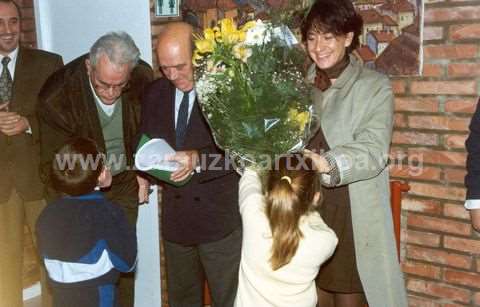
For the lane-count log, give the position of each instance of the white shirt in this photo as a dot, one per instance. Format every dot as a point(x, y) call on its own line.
point(107, 108)
point(294, 283)
point(178, 101)
point(13, 61)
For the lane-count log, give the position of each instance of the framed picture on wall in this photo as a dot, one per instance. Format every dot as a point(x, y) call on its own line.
point(167, 8)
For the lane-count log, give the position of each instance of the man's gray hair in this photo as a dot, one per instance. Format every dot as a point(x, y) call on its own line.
point(119, 47)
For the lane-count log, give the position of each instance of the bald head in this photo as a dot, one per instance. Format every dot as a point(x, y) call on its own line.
point(174, 54)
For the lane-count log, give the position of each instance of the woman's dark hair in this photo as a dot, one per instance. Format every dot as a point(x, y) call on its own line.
point(333, 16)
point(76, 167)
point(290, 194)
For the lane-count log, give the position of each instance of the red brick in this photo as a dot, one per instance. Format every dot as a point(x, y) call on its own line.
point(468, 31)
point(421, 238)
point(421, 269)
point(455, 140)
point(398, 86)
point(476, 298)
point(464, 105)
point(414, 138)
point(432, 33)
point(416, 104)
point(412, 172)
point(28, 37)
point(438, 122)
point(457, 51)
point(439, 224)
point(28, 25)
point(27, 12)
point(461, 244)
point(414, 301)
point(429, 206)
point(439, 290)
point(462, 278)
point(27, 3)
point(454, 175)
point(463, 69)
point(444, 87)
point(439, 256)
point(432, 70)
point(399, 121)
point(449, 14)
point(423, 155)
point(456, 211)
point(452, 304)
point(436, 191)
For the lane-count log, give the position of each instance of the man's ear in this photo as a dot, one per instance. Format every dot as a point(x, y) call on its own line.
point(88, 66)
point(349, 39)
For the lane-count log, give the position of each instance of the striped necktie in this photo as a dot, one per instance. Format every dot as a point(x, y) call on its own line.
point(5, 82)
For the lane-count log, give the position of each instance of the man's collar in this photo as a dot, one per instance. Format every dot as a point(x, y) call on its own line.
point(12, 55)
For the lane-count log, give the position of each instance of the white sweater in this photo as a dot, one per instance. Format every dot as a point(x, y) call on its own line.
point(292, 284)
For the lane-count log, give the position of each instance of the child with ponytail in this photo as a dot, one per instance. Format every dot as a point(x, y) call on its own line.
point(285, 240)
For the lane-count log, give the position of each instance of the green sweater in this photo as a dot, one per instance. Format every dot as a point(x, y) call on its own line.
point(112, 128)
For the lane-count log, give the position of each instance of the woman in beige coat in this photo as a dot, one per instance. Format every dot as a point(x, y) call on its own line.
point(355, 109)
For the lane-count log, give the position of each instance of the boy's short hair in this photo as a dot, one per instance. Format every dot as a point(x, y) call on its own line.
point(76, 167)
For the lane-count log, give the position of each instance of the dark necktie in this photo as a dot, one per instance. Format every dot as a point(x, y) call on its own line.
point(182, 120)
point(5, 82)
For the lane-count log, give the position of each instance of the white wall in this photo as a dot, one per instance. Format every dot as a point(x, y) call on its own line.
point(69, 28)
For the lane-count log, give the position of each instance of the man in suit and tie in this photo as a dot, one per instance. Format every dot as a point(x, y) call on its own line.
point(98, 96)
point(201, 225)
point(23, 73)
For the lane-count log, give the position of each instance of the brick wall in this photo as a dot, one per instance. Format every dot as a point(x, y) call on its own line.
point(28, 36)
point(439, 247)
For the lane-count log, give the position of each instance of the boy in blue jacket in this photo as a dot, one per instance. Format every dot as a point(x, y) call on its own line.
point(84, 239)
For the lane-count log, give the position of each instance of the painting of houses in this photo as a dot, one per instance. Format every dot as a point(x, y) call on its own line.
point(390, 39)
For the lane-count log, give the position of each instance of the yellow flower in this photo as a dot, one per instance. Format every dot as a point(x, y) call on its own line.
point(205, 45)
point(209, 34)
point(300, 118)
point(227, 26)
point(241, 52)
point(228, 32)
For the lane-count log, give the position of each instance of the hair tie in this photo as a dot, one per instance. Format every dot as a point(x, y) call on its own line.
point(287, 179)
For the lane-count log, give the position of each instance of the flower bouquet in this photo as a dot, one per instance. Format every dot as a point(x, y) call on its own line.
point(252, 91)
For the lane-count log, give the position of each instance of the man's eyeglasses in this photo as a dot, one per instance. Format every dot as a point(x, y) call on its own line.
point(102, 86)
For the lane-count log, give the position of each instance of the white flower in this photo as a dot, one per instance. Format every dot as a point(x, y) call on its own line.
point(259, 34)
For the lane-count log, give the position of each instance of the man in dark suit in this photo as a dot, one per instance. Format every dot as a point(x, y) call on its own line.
point(201, 225)
point(98, 96)
point(23, 73)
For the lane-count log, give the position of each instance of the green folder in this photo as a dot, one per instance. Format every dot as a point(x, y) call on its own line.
point(163, 175)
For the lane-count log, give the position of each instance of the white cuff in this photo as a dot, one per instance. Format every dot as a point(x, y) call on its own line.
point(472, 204)
point(29, 130)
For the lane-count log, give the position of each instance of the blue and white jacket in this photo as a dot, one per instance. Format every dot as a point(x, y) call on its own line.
point(85, 242)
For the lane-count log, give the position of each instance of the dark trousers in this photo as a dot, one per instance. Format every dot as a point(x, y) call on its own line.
point(188, 266)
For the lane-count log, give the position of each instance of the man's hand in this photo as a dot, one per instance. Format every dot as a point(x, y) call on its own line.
point(143, 190)
point(11, 123)
point(105, 178)
point(188, 160)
